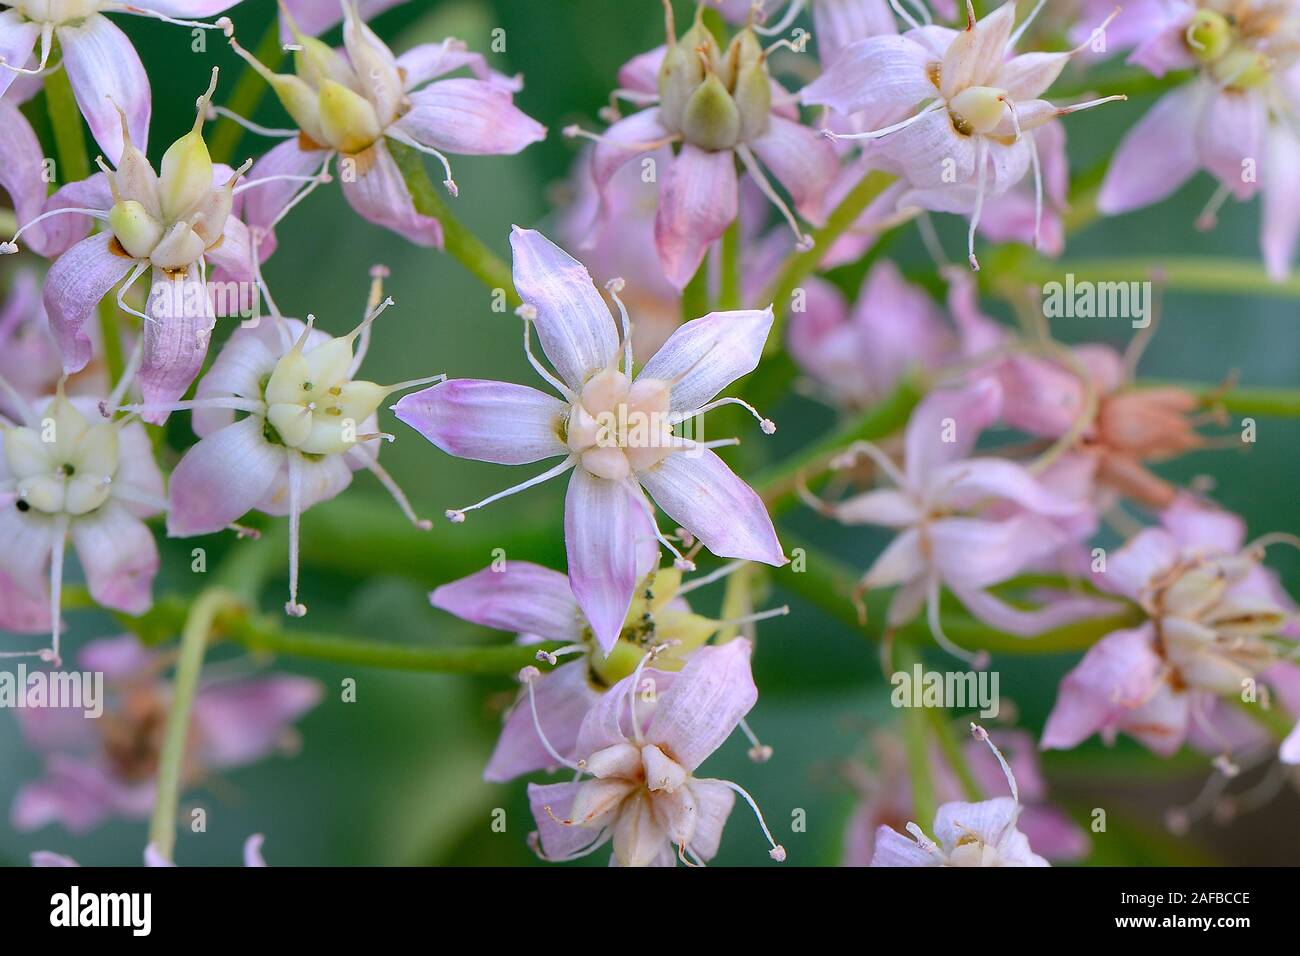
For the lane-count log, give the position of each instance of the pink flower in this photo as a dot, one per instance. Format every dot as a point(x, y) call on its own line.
point(102, 768)
point(888, 795)
point(963, 523)
point(974, 137)
point(720, 106)
point(175, 226)
point(350, 104)
point(836, 23)
point(65, 472)
point(103, 67)
point(308, 423)
point(252, 855)
point(968, 834)
point(541, 731)
point(641, 745)
point(314, 17)
point(1211, 608)
point(617, 434)
point(1231, 119)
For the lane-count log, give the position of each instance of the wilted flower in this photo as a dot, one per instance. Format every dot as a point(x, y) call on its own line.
point(536, 602)
point(719, 105)
point(350, 104)
point(66, 471)
point(174, 225)
point(969, 834)
point(617, 433)
point(105, 72)
point(307, 424)
point(641, 745)
point(106, 767)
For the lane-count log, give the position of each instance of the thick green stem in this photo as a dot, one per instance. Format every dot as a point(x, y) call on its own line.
point(246, 96)
point(918, 753)
point(65, 121)
point(1175, 273)
point(458, 241)
point(194, 641)
point(108, 317)
point(729, 290)
point(802, 265)
point(1275, 402)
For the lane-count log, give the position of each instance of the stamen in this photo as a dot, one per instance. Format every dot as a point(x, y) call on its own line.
point(791, 13)
point(759, 752)
point(903, 15)
point(528, 675)
point(614, 287)
point(553, 657)
point(401, 137)
point(1080, 107)
point(885, 131)
point(876, 454)
point(766, 424)
point(1024, 25)
point(391, 486)
point(803, 241)
point(528, 314)
point(930, 238)
point(1038, 186)
point(680, 561)
point(216, 111)
point(979, 733)
point(574, 131)
point(777, 852)
point(56, 586)
point(285, 177)
point(11, 247)
point(1209, 217)
point(976, 660)
point(293, 608)
point(781, 611)
point(1266, 541)
point(136, 272)
point(221, 23)
point(670, 27)
point(982, 160)
point(378, 273)
point(717, 575)
point(457, 515)
point(786, 44)
point(323, 176)
point(114, 401)
point(47, 38)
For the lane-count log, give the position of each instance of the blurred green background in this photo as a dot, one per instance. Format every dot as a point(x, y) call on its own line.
point(395, 778)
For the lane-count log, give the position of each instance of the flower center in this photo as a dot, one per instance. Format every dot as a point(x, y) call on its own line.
point(56, 11)
point(64, 466)
point(977, 110)
point(618, 428)
point(715, 101)
point(313, 403)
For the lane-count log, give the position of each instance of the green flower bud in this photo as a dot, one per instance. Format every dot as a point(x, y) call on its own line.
point(347, 119)
point(752, 89)
point(133, 227)
point(711, 119)
point(1208, 36)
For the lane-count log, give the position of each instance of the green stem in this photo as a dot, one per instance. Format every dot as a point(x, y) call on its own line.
point(246, 95)
point(194, 641)
point(1176, 273)
point(114, 363)
point(729, 292)
point(65, 121)
point(695, 297)
point(463, 245)
point(1277, 402)
point(918, 753)
point(799, 267)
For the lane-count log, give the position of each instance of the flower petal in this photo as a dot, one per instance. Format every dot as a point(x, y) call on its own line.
point(697, 203)
point(106, 75)
point(1281, 201)
point(698, 491)
point(883, 75)
point(73, 287)
point(837, 23)
point(467, 116)
point(627, 138)
point(18, 37)
point(978, 52)
point(428, 61)
point(573, 323)
point(803, 162)
point(522, 597)
point(221, 478)
point(564, 697)
point(238, 722)
point(707, 354)
point(705, 704)
point(945, 426)
point(379, 195)
point(713, 803)
point(176, 341)
point(118, 556)
point(600, 534)
point(894, 849)
point(1116, 675)
point(1157, 155)
point(22, 164)
point(1230, 138)
point(975, 553)
point(487, 421)
point(965, 484)
point(551, 803)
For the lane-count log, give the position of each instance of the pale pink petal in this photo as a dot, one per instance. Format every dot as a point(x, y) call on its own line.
point(641, 73)
point(963, 485)
point(18, 37)
point(837, 23)
point(1117, 675)
point(1230, 138)
point(186, 9)
point(713, 803)
point(600, 531)
point(1023, 622)
point(1146, 555)
point(932, 155)
point(945, 426)
point(894, 849)
point(705, 355)
point(105, 70)
point(60, 233)
point(551, 803)
point(428, 61)
point(253, 851)
point(314, 17)
point(379, 195)
point(45, 858)
point(697, 203)
point(121, 658)
point(698, 491)
point(573, 323)
point(1039, 397)
point(318, 480)
point(21, 612)
point(469, 116)
point(1289, 752)
point(1053, 834)
point(885, 507)
point(989, 820)
point(260, 205)
point(231, 260)
point(976, 53)
point(564, 697)
point(73, 287)
point(1195, 525)
point(246, 360)
point(802, 160)
point(705, 704)
point(22, 164)
point(487, 421)
point(119, 557)
point(902, 561)
point(880, 75)
point(1157, 155)
point(522, 597)
point(237, 722)
point(975, 553)
point(221, 478)
point(639, 133)
point(176, 341)
point(1281, 200)
point(1161, 46)
point(898, 328)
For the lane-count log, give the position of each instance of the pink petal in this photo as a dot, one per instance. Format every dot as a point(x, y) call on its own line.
point(231, 260)
point(803, 161)
point(73, 287)
point(221, 478)
point(471, 117)
point(121, 658)
point(698, 491)
point(186, 9)
point(600, 535)
point(713, 803)
point(260, 205)
point(564, 697)
point(1117, 674)
point(119, 557)
point(894, 849)
point(239, 722)
point(1230, 138)
point(487, 421)
point(882, 75)
point(428, 61)
point(1157, 155)
point(244, 362)
point(641, 73)
point(901, 562)
point(18, 37)
point(1161, 44)
point(975, 553)
point(931, 154)
point(176, 342)
point(1281, 201)
point(314, 17)
point(61, 232)
point(253, 851)
point(705, 704)
point(837, 23)
point(627, 138)
point(956, 414)
point(26, 554)
point(966, 484)
point(885, 507)
point(573, 323)
point(21, 612)
point(977, 53)
point(45, 858)
point(996, 613)
point(697, 203)
point(104, 70)
point(1206, 528)
point(379, 195)
point(22, 162)
point(898, 328)
point(318, 480)
point(987, 819)
point(551, 803)
point(705, 355)
point(522, 597)
point(1145, 556)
